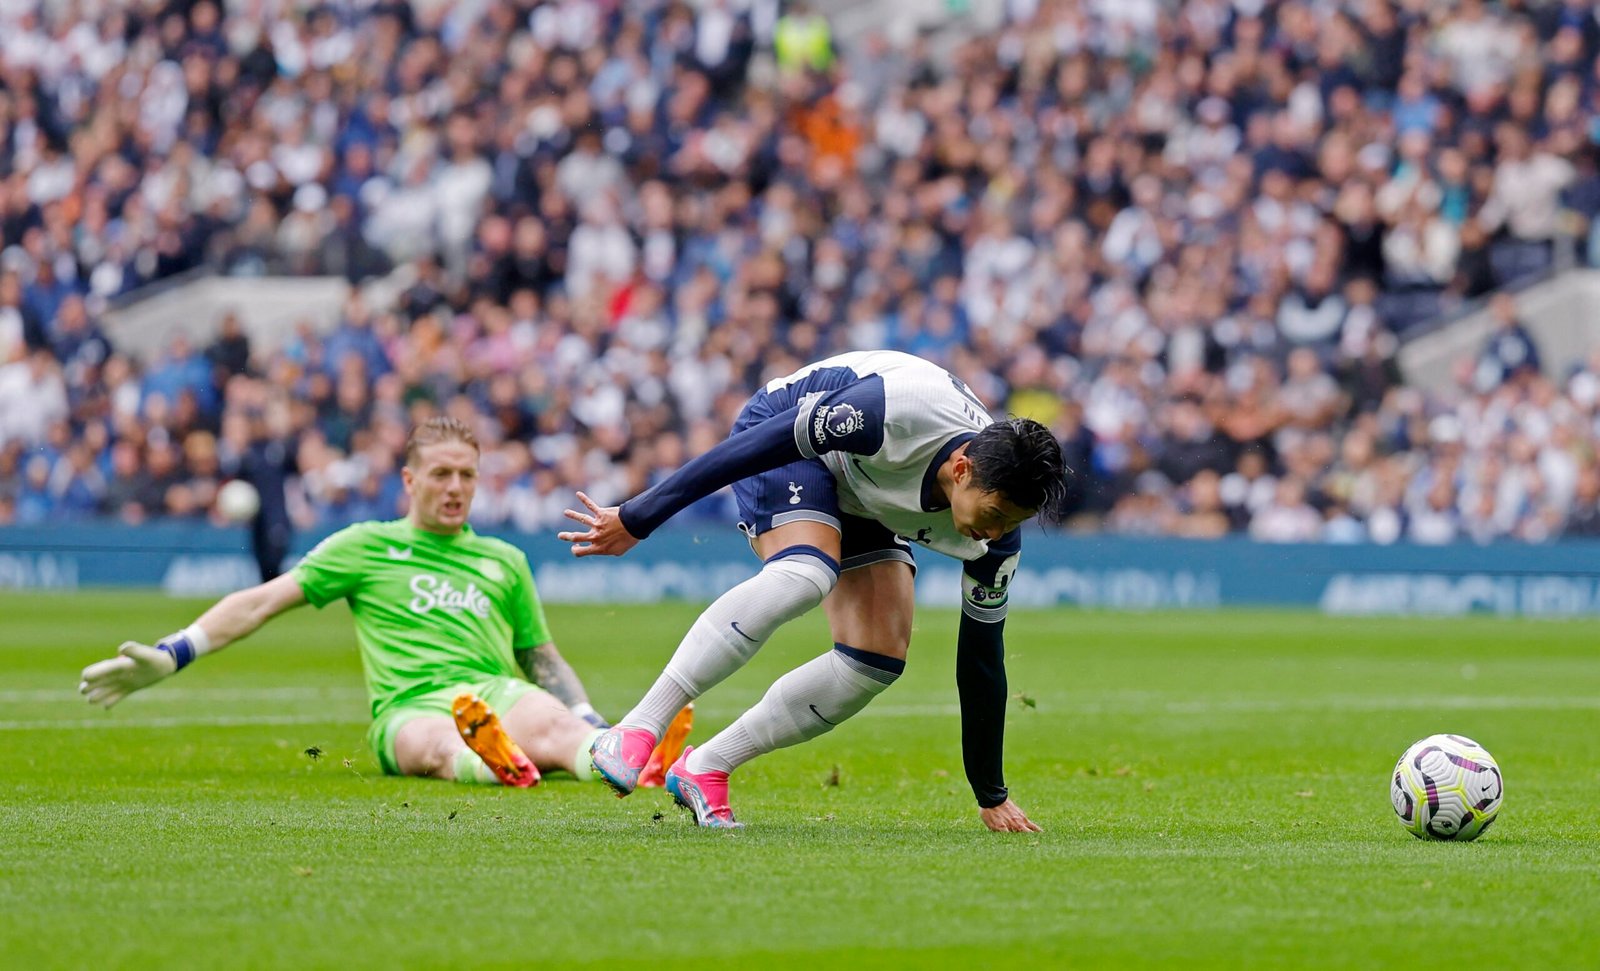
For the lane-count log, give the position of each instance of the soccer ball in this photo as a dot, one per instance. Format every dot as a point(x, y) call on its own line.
point(1446, 787)
point(238, 501)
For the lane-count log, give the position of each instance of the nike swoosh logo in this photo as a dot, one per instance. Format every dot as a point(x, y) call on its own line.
point(396, 553)
point(741, 633)
point(814, 711)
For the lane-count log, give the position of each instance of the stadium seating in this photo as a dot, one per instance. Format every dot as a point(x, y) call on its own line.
point(1192, 240)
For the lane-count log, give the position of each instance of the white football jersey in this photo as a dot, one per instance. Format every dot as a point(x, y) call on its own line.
point(914, 412)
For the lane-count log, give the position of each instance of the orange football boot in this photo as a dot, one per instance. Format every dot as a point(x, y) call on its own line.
point(480, 728)
point(654, 774)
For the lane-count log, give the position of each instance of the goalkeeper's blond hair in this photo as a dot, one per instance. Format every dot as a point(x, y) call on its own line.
point(434, 431)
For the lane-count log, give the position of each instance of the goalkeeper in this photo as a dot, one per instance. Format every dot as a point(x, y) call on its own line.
point(450, 630)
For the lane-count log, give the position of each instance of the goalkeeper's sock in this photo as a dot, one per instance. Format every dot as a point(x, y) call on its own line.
point(805, 703)
point(471, 770)
point(583, 762)
point(732, 629)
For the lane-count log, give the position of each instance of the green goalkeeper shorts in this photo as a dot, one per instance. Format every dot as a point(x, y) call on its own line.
point(500, 694)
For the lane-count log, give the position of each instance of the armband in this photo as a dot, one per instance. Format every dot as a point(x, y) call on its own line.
point(185, 645)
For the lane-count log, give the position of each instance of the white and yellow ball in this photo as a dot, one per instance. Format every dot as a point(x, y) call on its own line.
point(1446, 787)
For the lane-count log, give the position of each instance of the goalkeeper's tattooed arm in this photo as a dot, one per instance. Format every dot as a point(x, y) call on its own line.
point(546, 668)
point(233, 617)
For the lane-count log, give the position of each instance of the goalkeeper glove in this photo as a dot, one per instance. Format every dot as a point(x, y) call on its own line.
point(139, 665)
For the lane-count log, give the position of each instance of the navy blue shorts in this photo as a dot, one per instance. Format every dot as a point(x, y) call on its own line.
point(805, 491)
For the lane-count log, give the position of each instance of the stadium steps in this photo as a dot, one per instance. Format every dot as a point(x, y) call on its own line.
point(1558, 312)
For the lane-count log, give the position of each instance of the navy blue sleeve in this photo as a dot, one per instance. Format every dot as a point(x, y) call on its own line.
point(749, 452)
point(848, 419)
point(981, 684)
point(981, 667)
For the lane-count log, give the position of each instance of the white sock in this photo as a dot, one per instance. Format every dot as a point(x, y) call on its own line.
point(807, 702)
point(583, 769)
point(730, 631)
point(472, 770)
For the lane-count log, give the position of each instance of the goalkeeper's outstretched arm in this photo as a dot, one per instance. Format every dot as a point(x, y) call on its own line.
point(235, 616)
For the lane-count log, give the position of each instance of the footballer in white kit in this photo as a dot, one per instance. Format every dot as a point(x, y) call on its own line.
point(840, 470)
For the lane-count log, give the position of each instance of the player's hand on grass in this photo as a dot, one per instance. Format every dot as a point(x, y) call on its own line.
point(1008, 817)
point(606, 536)
point(136, 666)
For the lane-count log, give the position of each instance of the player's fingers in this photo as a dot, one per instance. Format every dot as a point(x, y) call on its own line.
point(1033, 827)
point(103, 669)
point(90, 686)
point(146, 656)
point(588, 537)
point(594, 507)
point(578, 517)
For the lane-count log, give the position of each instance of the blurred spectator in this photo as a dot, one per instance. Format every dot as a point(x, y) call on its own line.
point(1201, 512)
point(128, 486)
point(33, 395)
point(1584, 519)
point(77, 486)
point(1190, 445)
point(252, 450)
point(1435, 521)
point(1287, 518)
point(1510, 351)
point(229, 353)
point(803, 39)
point(1310, 398)
point(180, 369)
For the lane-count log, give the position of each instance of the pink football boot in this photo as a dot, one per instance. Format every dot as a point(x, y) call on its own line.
point(705, 794)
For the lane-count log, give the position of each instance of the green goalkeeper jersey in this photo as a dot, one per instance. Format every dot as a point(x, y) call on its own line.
point(431, 611)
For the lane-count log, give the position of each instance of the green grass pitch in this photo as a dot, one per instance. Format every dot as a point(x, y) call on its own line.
point(1213, 790)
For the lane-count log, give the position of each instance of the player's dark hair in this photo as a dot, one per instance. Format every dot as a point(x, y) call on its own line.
point(436, 430)
point(1021, 460)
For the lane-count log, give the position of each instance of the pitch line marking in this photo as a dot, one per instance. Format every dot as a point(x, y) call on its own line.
point(175, 695)
point(197, 721)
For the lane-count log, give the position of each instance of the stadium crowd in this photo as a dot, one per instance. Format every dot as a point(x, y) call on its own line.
point(1187, 236)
